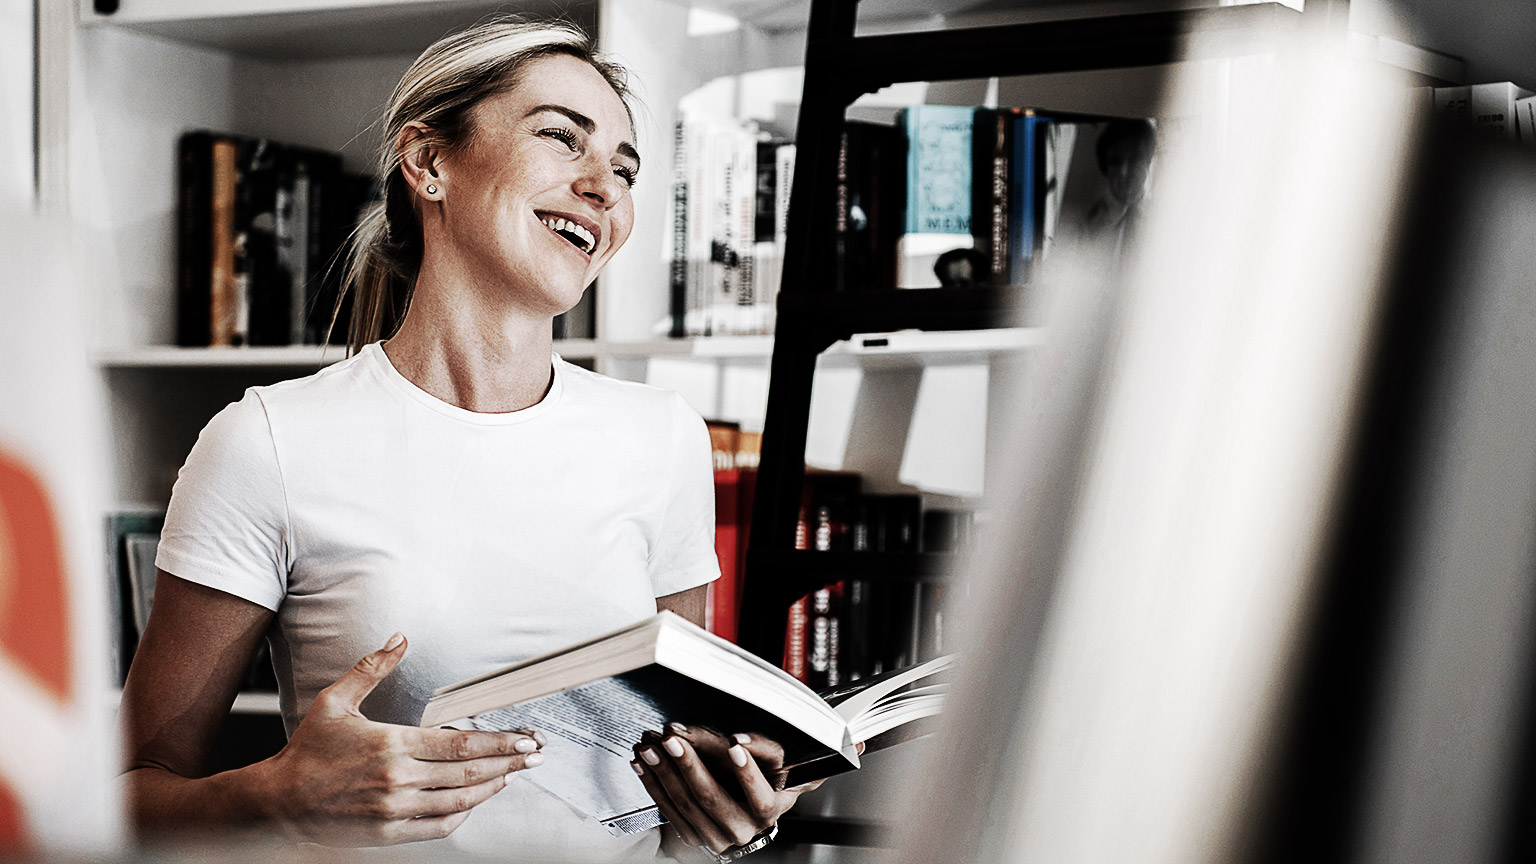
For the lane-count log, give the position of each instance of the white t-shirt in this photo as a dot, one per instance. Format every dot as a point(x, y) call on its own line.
point(354, 504)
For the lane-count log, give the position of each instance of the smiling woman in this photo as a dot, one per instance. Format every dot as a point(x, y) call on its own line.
point(457, 484)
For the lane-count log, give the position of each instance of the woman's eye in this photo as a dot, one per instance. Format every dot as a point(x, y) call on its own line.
point(628, 175)
point(564, 135)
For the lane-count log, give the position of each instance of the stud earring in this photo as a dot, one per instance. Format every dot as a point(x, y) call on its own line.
point(431, 189)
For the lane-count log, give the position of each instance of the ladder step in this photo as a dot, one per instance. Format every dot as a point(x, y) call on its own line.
point(1107, 42)
point(831, 316)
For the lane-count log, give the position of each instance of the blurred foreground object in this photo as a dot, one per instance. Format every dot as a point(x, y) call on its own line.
point(1266, 591)
point(58, 753)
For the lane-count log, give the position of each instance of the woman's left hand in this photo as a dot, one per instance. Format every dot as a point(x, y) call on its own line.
point(712, 789)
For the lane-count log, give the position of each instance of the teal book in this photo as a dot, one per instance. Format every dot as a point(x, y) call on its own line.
point(939, 168)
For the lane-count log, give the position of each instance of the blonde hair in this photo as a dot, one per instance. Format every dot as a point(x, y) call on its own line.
point(440, 91)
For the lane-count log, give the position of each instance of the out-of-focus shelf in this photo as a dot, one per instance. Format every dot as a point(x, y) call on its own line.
point(910, 347)
point(170, 357)
point(245, 703)
point(255, 703)
point(308, 29)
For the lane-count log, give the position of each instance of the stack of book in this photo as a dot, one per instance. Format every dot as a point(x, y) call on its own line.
point(946, 196)
point(730, 194)
point(853, 629)
point(1501, 108)
point(260, 228)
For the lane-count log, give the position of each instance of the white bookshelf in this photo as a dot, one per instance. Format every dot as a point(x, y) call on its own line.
point(907, 348)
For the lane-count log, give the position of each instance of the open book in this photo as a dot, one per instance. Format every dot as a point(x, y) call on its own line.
point(593, 701)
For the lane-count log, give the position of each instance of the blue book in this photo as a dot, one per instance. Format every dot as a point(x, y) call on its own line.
point(938, 168)
point(1023, 182)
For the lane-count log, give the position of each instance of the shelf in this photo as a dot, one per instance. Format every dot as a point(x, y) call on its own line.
point(811, 570)
point(314, 29)
point(172, 357)
point(832, 317)
point(245, 703)
point(255, 703)
point(911, 347)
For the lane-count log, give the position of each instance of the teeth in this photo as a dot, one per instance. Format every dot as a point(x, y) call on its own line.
point(555, 223)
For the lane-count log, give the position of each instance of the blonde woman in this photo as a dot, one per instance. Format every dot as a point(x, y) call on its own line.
point(455, 494)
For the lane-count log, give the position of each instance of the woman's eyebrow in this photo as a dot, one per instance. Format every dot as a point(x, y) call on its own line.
point(587, 125)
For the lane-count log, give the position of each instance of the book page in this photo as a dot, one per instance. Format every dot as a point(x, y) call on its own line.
point(591, 730)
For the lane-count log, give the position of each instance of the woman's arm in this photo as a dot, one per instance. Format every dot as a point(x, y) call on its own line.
point(341, 778)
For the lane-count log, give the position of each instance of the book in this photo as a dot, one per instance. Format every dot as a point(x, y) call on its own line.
point(260, 229)
point(1525, 121)
point(990, 214)
point(1490, 106)
point(594, 700)
point(938, 189)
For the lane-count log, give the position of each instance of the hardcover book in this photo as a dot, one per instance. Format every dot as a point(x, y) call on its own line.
point(594, 701)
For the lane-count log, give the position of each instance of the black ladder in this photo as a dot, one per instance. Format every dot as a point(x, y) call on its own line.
point(840, 67)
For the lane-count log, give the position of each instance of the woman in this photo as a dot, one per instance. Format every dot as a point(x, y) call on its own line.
point(455, 484)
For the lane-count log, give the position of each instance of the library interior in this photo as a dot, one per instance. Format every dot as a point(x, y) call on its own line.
point(1119, 443)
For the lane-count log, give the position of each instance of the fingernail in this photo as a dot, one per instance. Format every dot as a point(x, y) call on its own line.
point(650, 757)
point(533, 760)
point(674, 746)
point(638, 770)
point(394, 642)
point(678, 728)
point(539, 737)
point(742, 738)
point(738, 756)
point(525, 745)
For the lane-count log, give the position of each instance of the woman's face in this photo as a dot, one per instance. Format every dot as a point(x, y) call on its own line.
point(539, 199)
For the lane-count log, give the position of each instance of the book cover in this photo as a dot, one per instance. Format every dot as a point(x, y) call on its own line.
point(939, 154)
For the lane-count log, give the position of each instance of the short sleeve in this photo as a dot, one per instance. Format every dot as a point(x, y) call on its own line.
point(227, 523)
point(684, 554)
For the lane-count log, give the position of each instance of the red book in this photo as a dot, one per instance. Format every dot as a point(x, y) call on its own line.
point(729, 548)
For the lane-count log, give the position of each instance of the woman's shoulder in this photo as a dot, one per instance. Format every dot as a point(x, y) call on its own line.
point(620, 394)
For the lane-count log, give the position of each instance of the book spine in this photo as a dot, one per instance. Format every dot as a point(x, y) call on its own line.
point(744, 217)
point(795, 625)
point(1021, 239)
point(299, 261)
point(841, 240)
point(223, 304)
point(994, 140)
point(678, 274)
point(194, 240)
point(784, 177)
point(1525, 121)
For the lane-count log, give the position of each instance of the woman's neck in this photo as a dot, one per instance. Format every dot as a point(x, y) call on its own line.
point(468, 357)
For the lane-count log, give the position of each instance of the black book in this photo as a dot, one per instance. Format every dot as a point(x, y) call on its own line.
point(871, 197)
point(194, 239)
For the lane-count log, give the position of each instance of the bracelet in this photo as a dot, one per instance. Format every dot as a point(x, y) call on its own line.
point(736, 853)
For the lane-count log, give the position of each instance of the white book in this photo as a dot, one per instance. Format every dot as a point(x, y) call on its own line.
point(594, 700)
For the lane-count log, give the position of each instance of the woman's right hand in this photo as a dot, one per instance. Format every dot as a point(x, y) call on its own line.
point(346, 780)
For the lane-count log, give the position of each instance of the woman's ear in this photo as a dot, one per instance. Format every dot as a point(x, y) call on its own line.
point(421, 161)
